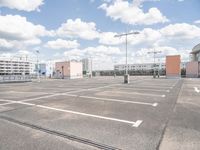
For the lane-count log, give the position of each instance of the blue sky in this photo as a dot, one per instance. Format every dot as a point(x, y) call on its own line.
point(75, 29)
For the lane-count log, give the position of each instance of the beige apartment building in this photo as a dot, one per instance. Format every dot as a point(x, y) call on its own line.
point(68, 70)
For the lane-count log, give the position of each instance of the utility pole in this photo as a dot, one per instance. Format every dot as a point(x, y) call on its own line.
point(154, 61)
point(126, 76)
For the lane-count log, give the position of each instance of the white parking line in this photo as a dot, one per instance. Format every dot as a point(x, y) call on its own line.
point(143, 89)
point(114, 100)
point(37, 98)
point(196, 89)
point(145, 86)
point(24, 92)
point(57, 94)
point(134, 124)
point(95, 88)
point(7, 102)
point(137, 93)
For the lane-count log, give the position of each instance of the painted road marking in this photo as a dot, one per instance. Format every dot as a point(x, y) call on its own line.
point(57, 94)
point(24, 92)
point(114, 100)
point(134, 124)
point(141, 86)
point(37, 98)
point(137, 93)
point(196, 89)
point(31, 99)
point(90, 89)
point(143, 89)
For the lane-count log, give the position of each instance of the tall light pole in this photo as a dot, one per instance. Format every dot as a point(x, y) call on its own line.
point(126, 76)
point(154, 58)
point(37, 53)
point(91, 66)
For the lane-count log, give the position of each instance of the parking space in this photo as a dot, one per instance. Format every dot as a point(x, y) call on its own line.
point(99, 110)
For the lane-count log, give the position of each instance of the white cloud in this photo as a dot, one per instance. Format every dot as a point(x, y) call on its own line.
point(17, 31)
point(109, 39)
point(5, 44)
point(94, 51)
point(146, 37)
point(15, 27)
point(130, 13)
point(26, 5)
point(181, 31)
point(78, 28)
point(102, 55)
point(197, 21)
point(140, 2)
point(62, 44)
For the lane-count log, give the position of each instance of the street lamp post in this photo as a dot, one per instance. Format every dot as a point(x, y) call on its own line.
point(126, 76)
point(38, 76)
point(91, 66)
point(154, 61)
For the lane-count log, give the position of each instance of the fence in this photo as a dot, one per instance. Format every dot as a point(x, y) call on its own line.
point(15, 78)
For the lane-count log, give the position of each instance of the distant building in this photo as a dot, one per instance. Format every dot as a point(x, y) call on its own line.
point(68, 69)
point(139, 67)
point(173, 66)
point(14, 67)
point(195, 54)
point(87, 65)
point(41, 68)
point(193, 67)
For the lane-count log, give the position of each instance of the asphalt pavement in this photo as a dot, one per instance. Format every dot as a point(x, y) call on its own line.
point(100, 113)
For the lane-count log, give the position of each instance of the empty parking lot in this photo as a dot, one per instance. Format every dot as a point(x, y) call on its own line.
point(101, 113)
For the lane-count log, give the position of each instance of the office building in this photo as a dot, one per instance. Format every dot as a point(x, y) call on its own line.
point(68, 69)
point(14, 67)
point(139, 67)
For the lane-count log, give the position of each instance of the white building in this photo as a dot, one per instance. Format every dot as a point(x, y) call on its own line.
point(136, 67)
point(87, 65)
point(14, 67)
point(144, 66)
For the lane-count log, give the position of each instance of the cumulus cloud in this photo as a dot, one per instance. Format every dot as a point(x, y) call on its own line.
point(25, 5)
point(108, 38)
point(181, 31)
point(102, 56)
point(131, 13)
point(62, 44)
point(78, 29)
point(100, 50)
point(18, 31)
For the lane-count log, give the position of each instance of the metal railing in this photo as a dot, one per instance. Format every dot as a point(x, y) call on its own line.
point(15, 78)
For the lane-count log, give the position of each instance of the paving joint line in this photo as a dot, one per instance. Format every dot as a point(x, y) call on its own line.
point(61, 134)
